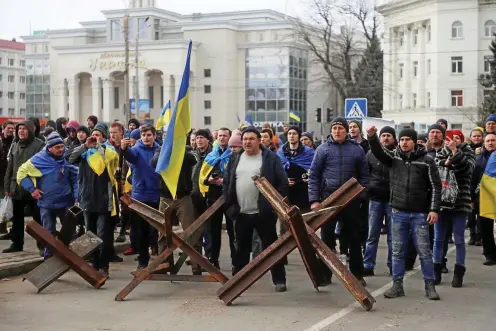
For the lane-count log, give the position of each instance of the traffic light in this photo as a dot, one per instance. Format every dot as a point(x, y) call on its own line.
point(318, 115)
point(330, 114)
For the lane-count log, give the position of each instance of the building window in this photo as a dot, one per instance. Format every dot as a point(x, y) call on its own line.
point(428, 97)
point(207, 120)
point(457, 29)
point(115, 30)
point(207, 89)
point(207, 73)
point(489, 28)
point(402, 38)
point(401, 70)
point(11, 111)
point(487, 63)
point(261, 36)
point(456, 126)
point(1, 77)
point(414, 100)
point(11, 78)
point(22, 112)
point(207, 104)
point(22, 63)
point(456, 64)
point(400, 99)
point(429, 32)
point(45, 48)
point(456, 98)
point(157, 35)
point(10, 95)
point(22, 96)
point(22, 79)
point(415, 36)
point(429, 66)
point(11, 62)
point(415, 68)
point(116, 97)
point(151, 96)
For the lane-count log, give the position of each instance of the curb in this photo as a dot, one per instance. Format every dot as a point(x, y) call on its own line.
point(19, 268)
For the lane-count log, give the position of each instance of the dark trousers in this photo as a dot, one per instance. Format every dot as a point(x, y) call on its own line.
point(146, 236)
point(200, 205)
point(213, 231)
point(232, 240)
point(266, 229)
point(473, 225)
point(18, 219)
point(102, 225)
point(350, 231)
point(487, 236)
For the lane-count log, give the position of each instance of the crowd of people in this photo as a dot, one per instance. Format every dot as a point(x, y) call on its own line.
point(407, 176)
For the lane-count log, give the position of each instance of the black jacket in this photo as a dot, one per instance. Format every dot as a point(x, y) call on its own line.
point(414, 178)
point(480, 167)
point(463, 164)
point(184, 185)
point(378, 189)
point(272, 169)
point(195, 176)
point(298, 194)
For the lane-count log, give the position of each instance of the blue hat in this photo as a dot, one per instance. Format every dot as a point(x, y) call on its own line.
point(135, 134)
point(491, 118)
point(53, 139)
point(308, 135)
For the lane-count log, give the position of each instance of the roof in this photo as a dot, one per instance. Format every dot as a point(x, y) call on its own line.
point(15, 45)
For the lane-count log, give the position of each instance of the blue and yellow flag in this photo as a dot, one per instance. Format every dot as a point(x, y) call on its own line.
point(488, 189)
point(171, 156)
point(293, 116)
point(165, 117)
point(211, 160)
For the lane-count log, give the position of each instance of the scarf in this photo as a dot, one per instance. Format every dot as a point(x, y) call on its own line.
point(211, 160)
point(303, 157)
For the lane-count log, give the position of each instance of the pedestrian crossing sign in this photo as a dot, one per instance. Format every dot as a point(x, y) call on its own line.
point(355, 108)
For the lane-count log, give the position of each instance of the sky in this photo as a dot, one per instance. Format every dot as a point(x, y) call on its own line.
point(19, 17)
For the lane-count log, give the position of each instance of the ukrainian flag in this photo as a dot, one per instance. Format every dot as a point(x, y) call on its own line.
point(488, 189)
point(165, 117)
point(295, 117)
point(171, 155)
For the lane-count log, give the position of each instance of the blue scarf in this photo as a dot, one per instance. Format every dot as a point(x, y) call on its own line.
point(303, 159)
point(213, 158)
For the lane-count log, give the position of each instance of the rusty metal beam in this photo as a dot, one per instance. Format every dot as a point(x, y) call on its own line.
point(182, 278)
point(285, 244)
point(52, 269)
point(76, 263)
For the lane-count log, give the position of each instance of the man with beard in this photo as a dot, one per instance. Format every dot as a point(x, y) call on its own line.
point(476, 143)
point(6, 141)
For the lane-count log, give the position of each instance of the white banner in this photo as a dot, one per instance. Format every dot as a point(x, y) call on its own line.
point(379, 123)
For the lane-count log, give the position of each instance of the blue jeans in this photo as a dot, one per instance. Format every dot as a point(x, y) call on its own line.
point(49, 220)
point(402, 223)
point(458, 219)
point(377, 211)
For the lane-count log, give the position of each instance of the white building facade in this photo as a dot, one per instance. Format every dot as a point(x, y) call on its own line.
point(242, 62)
point(12, 79)
point(435, 53)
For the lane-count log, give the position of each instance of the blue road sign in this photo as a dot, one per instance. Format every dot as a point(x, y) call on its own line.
point(355, 108)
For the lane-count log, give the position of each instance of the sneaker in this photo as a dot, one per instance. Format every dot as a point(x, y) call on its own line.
point(395, 291)
point(281, 288)
point(12, 249)
point(489, 262)
point(129, 251)
point(430, 290)
point(367, 272)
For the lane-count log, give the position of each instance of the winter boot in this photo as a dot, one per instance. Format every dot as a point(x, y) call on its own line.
point(458, 276)
point(430, 290)
point(395, 291)
point(471, 242)
point(438, 267)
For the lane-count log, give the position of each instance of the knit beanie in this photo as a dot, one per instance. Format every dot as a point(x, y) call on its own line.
point(438, 127)
point(491, 118)
point(407, 132)
point(102, 128)
point(357, 122)
point(297, 129)
point(388, 129)
point(135, 134)
point(72, 125)
point(308, 135)
point(204, 133)
point(459, 134)
point(442, 120)
point(53, 139)
point(84, 129)
point(235, 140)
point(422, 137)
point(340, 121)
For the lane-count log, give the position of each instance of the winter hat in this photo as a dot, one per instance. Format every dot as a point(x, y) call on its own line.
point(135, 134)
point(459, 134)
point(84, 129)
point(408, 132)
point(51, 124)
point(442, 120)
point(135, 121)
point(297, 129)
point(53, 139)
point(204, 133)
point(308, 135)
point(101, 128)
point(357, 122)
point(422, 137)
point(438, 127)
point(235, 140)
point(47, 131)
point(491, 118)
point(72, 125)
point(340, 121)
point(388, 129)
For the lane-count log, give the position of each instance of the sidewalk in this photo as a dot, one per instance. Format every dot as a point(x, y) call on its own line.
point(14, 264)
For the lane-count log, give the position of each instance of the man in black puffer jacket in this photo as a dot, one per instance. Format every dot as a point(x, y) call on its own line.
point(415, 201)
point(379, 206)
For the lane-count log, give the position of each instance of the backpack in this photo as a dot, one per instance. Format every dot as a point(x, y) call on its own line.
point(449, 190)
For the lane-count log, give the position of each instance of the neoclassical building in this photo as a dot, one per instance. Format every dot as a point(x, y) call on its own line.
point(242, 62)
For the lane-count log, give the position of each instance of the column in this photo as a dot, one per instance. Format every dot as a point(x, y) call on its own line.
point(172, 88)
point(96, 108)
point(61, 93)
point(408, 68)
point(422, 70)
point(73, 98)
point(108, 99)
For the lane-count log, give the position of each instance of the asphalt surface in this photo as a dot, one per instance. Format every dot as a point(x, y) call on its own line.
point(71, 304)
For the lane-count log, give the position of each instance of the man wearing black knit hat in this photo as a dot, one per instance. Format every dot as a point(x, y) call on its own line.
point(379, 206)
point(415, 201)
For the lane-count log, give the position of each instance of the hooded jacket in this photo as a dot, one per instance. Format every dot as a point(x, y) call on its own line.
point(37, 126)
point(59, 128)
point(5, 144)
point(71, 125)
point(414, 179)
point(20, 152)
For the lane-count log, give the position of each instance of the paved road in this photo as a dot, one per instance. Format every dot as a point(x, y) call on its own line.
point(70, 304)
